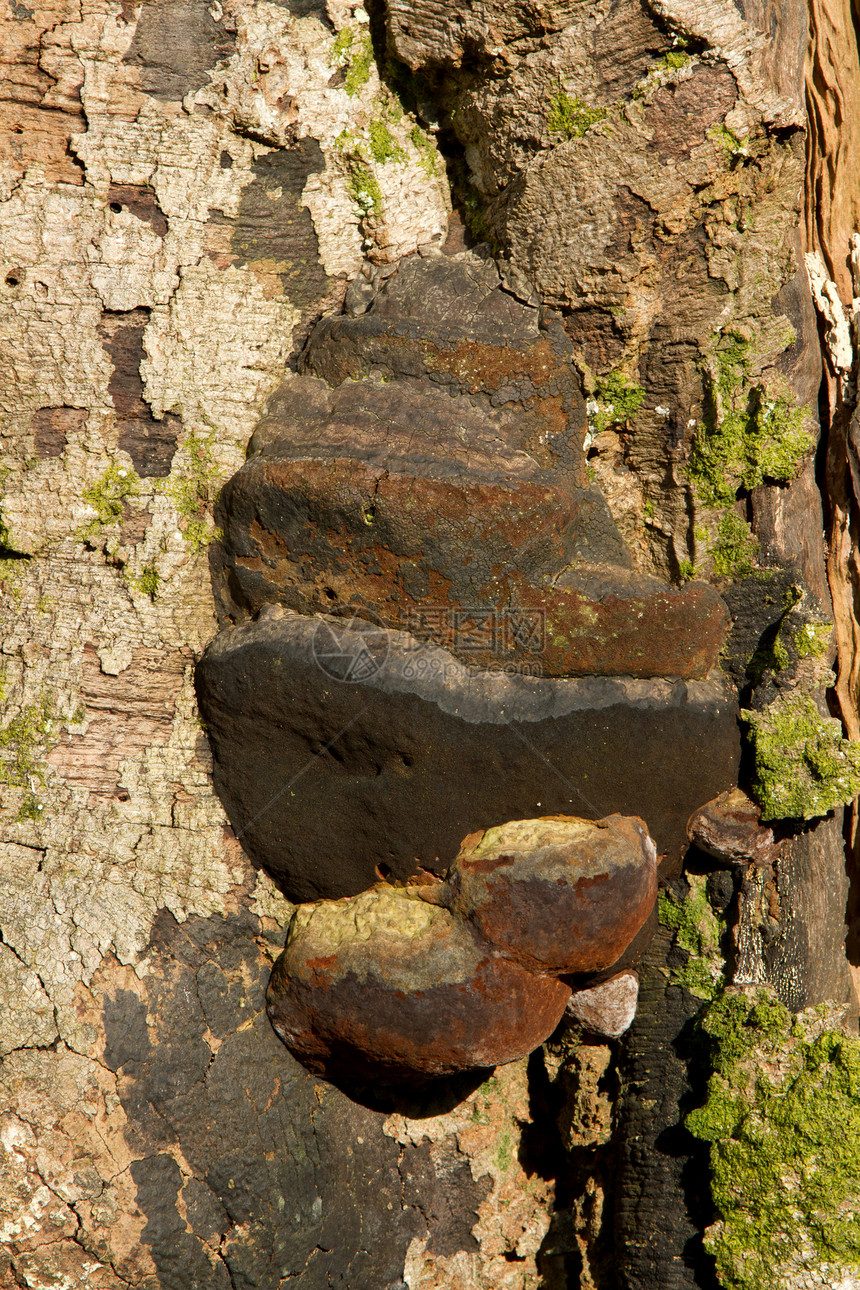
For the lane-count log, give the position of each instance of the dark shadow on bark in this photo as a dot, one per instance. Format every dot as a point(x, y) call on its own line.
point(411, 1098)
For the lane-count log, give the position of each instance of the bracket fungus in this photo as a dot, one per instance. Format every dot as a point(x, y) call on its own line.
point(433, 979)
point(425, 463)
point(730, 829)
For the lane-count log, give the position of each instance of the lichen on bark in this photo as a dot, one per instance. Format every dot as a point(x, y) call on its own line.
point(781, 1117)
point(804, 766)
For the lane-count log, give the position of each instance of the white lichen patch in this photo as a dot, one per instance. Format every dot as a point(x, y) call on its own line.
point(26, 1012)
point(216, 378)
point(291, 79)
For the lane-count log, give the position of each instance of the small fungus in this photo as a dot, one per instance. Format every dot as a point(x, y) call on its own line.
point(447, 976)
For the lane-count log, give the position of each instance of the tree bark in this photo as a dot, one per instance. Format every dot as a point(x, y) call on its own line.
point(185, 190)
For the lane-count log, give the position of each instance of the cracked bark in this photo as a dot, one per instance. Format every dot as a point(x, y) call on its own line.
point(175, 212)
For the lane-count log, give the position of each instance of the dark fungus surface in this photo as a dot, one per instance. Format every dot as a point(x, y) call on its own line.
point(333, 766)
point(428, 468)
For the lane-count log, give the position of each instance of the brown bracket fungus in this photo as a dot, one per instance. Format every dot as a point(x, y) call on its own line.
point(431, 980)
point(435, 476)
point(730, 829)
point(558, 894)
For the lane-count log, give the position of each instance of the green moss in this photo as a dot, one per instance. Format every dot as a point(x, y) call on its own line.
point(811, 640)
point(570, 117)
point(697, 930)
point(12, 564)
point(11, 574)
point(149, 581)
point(107, 497)
point(362, 184)
point(354, 52)
point(747, 435)
point(426, 150)
point(687, 570)
point(504, 1153)
point(364, 189)
point(780, 654)
point(192, 490)
point(360, 63)
point(727, 139)
point(736, 1025)
point(675, 59)
point(483, 1104)
point(803, 765)
point(343, 42)
point(383, 145)
point(772, 653)
point(618, 399)
point(735, 548)
point(782, 1116)
point(23, 742)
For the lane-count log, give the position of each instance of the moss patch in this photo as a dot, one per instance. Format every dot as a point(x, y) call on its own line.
point(364, 188)
point(429, 158)
point(362, 184)
point(149, 581)
point(773, 653)
point(23, 743)
point(726, 138)
point(383, 145)
point(353, 51)
point(811, 640)
point(571, 118)
point(616, 401)
point(192, 492)
point(748, 435)
point(734, 549)
point(803, 765)
point(782, 1116)
point(697, 930)
point(107, 497)
point(360, 64)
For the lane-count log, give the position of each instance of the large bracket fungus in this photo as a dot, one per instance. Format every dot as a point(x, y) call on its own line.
point(469, 972)
point(431, 624)
point(435, 476)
